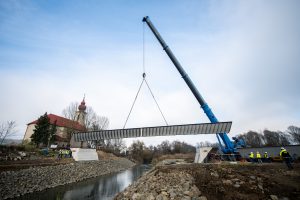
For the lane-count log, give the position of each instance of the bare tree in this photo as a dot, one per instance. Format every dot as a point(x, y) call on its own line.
point(95, 122)
point(136, 150)
point(252, 138)
point(6, 130)
point(284, 139)
point(206, 144)
point(116, 144)
point(164, 147)
point(182, 147)
point(70, 111)
point(92, 120)
point(295, 133)
point(272, 138)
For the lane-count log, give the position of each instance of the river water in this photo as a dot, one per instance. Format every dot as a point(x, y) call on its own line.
point(100, 188)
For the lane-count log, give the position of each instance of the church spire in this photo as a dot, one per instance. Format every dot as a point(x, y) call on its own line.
point(80, 114)
point(82, 106)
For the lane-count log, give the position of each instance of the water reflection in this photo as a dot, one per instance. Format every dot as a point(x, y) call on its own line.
point(104, 188)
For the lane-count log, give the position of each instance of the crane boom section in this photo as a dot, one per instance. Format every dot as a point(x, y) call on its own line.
point(229, 147)
point(175, 62)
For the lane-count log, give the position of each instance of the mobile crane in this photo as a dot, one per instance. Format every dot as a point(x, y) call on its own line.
point(228, 146)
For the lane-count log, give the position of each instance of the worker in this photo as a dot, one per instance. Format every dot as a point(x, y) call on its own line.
point(284, 155)
point(251, 156)
point(266, 157)
point(65, 152)
point(70, 153)
point(60, 154)
point(258, 157)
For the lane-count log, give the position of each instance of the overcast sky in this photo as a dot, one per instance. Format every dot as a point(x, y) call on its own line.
point(243, 56)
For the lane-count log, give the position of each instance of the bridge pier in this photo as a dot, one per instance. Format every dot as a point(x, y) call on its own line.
point(201, 154)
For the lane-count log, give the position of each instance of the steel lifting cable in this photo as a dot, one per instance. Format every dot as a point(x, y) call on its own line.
point(144, 50)
point(156, 102)
point(144, 75)
point(144, 80)
point(133, 102)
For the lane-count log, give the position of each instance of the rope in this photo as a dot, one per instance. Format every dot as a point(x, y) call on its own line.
point(156, 103)
point(144, 73)
point(144, 48)
point(144, 80)
point(134, 102)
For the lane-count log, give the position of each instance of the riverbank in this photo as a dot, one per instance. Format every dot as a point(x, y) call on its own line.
point(16, 183)
point(241, 181)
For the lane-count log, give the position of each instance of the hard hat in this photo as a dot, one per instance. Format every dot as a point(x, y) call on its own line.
point(266, 152)
point(282, 148)
point(251, 152)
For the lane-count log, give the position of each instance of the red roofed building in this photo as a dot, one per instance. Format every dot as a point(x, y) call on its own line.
point(64, 126)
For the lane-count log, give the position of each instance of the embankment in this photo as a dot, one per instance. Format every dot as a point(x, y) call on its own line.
point(16, 183)
point(241, 181)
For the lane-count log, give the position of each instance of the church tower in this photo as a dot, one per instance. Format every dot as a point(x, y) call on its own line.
point(80, 114)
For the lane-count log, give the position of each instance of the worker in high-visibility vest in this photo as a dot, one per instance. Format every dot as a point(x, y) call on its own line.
point(284, 154)
point(266, 157)
point(60, 154)
point(258, 157)
point(251, 156)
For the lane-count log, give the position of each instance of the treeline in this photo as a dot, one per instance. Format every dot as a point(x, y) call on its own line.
point(140, 152)
point(271, 138)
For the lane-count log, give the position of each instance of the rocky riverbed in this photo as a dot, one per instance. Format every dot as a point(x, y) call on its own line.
point(157, 185)
point(16, 183)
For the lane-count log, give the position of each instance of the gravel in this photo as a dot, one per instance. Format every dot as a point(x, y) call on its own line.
point(216, 181)
point(157, 185)
point(16, 183)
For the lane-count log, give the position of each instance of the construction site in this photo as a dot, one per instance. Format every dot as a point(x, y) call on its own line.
point(235, 173)
point(77, 157)
point(242, 181)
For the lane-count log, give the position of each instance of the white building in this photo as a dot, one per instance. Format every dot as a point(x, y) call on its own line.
point(64, 126)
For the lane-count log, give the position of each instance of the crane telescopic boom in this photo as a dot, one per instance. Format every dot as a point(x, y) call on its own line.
point(228, 147)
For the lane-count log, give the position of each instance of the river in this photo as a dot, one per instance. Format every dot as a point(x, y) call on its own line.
point(102, 188)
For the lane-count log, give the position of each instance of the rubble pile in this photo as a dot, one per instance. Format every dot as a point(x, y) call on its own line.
point(247, 181)
point(216, 181)
point(158, 185)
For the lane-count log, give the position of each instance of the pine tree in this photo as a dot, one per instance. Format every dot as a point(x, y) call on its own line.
point(42, 130)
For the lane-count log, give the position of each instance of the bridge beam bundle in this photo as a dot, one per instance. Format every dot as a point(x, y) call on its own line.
point(186, 129)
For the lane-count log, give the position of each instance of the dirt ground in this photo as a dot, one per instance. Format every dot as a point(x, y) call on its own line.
point(106, 156)
point(188, 157)
point(23, 164)
point(243, 180)
point(8, 165)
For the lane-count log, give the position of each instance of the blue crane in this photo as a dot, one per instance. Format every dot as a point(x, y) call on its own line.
point(228, 146)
